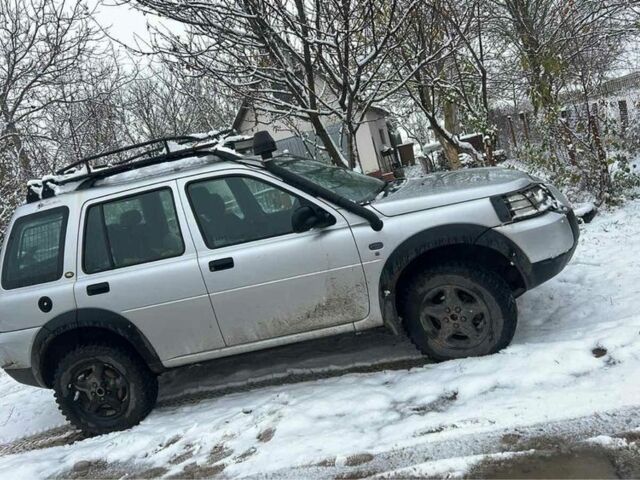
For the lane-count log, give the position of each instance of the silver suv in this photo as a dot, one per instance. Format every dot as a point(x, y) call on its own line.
point(116, 270)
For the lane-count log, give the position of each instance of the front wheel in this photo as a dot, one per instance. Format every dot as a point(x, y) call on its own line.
point(459, 310)
point(101, 389)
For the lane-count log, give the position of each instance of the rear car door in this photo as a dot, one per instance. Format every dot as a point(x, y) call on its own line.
point(266, 281)
point(37, 276)
point(137, 259)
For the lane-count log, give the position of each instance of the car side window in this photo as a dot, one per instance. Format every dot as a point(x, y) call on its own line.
point(131, 230)
point(35, 250)
point(251, 210)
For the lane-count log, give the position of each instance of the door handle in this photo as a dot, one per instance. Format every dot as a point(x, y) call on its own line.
point(98, 288)
point(221, 264)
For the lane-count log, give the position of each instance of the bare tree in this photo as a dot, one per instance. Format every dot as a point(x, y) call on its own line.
point(547, 38)
point(89, 116)
point(165, 101)
point(440, 87)
point(43, 45)
point(322, 62)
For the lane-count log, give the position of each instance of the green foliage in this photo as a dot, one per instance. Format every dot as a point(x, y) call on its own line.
point(623, 178)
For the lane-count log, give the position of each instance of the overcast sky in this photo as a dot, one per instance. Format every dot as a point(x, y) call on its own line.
point(125, 23)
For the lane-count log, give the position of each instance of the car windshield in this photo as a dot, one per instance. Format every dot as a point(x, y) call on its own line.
point(355, 186)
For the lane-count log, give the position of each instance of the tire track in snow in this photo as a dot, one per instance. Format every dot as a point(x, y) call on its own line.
point(537, 437)
point(68, 435)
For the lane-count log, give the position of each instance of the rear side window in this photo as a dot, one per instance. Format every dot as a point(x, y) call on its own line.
point(35, 251)
point(130, 231)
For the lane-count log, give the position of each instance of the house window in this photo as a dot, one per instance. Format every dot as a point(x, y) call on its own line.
point(624, 114)
point(382, 135)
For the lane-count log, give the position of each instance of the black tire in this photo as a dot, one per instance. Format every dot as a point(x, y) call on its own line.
point(458, 310)
point(102, 389)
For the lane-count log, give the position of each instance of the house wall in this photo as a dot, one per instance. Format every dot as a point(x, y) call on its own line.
point(253, 122)
point(605, 103)
point(284, 132)
point(367, 149)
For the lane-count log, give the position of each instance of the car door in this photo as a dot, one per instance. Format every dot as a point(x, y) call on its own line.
point(137, 259)
point(38, 266)
point(264, 280)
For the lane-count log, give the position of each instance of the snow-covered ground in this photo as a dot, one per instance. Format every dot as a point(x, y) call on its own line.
point(576, 354)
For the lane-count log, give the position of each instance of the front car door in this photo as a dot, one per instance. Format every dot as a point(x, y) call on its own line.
point(137, 259)
point(266, 281)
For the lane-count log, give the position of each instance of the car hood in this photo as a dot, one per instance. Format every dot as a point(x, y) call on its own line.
point(445, 188)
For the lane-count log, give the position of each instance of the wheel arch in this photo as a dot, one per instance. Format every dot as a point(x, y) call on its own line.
point(471, 242)
point(69, 329)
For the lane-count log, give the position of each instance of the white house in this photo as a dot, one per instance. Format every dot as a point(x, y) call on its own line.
point(296, 135)
point(616, 99)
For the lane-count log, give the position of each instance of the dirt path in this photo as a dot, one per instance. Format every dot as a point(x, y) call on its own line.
point(555, 450)
point(544, 450)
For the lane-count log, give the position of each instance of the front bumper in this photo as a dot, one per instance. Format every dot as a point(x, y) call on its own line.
point(546, 269)
point(543, 270)
point(542, 246)
point(543, 237)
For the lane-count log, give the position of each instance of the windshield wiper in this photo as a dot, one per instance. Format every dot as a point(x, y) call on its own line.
point(386, 188)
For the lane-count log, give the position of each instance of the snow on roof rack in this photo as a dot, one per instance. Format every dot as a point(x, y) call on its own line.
point(84, 173)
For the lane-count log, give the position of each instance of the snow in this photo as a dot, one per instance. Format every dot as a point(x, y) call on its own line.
point(414, 171)
point(156, 170)
point(207, 139)
point(446, 468)
point(549, 373)
point(583, 208)
point(608, 442)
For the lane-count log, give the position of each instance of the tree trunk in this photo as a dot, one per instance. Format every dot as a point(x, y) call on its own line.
point(605, 178)
point(352, 150)
point(450, 153)
point(451, 125)
point(332, 150)
point(488, 150)
point(14, 137)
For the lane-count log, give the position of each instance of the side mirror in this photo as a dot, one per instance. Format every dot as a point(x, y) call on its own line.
point(305, 218)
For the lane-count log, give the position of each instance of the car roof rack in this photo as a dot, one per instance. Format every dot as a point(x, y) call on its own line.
point(87, 171)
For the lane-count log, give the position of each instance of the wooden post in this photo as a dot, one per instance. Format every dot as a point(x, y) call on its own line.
point(571, 147)
point(605, 178)
point(513, 132)
point(488, 150)
point(525, 126)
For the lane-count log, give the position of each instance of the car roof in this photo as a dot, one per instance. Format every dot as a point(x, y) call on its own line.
point(131, 180)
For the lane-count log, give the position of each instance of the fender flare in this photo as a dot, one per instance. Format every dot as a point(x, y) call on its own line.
point(437, 237)
point(92, 318)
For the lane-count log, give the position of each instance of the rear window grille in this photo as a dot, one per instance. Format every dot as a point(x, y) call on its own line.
point(35, 249)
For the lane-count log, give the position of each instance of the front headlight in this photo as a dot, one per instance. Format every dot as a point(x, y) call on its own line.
point(530, 202)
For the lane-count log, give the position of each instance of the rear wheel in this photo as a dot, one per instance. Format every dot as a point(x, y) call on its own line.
point(102, 389)
point(459, 310)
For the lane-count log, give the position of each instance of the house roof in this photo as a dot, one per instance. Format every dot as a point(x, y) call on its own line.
point(609, 87)
point(237, 120)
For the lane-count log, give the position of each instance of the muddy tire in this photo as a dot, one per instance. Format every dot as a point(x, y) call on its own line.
point(101, 389)
point(459, 310)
